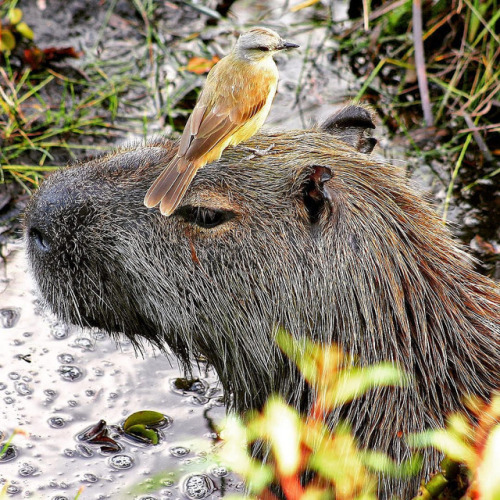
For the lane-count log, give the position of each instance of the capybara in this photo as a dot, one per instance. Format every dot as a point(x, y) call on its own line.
point(302, 230)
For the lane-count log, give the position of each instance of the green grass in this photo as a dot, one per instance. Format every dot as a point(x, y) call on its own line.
point(463, 78)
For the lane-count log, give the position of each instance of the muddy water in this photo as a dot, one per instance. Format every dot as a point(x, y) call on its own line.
point(55, 381)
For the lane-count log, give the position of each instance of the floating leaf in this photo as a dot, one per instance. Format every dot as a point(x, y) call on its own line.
point(142, 432)
point(145, 417)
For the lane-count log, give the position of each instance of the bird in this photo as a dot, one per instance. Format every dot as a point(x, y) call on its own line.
point(231, 108)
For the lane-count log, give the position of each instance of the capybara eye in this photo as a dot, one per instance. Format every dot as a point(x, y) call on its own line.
point(204, 217)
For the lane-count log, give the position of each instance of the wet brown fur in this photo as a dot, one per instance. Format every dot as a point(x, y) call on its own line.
point(369, 265)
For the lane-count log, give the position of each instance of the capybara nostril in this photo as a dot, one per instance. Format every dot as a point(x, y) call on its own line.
point(40, 240)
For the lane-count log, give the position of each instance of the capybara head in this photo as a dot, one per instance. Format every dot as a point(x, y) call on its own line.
point(307, 232)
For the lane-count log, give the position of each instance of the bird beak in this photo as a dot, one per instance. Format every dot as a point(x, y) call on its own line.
point(287, 45)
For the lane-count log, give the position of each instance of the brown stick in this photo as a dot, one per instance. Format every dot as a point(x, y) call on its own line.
point(420, 62)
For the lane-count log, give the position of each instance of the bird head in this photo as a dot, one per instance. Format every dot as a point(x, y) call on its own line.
point(259, 43)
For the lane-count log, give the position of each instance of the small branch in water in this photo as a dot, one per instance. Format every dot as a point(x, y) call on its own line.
point(420, 62)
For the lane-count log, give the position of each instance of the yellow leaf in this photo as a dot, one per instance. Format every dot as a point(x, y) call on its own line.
point(15, 15)
point(488, 478)
point(24, 30)
point(200, 65)
point(7, 41)
point(282, 426)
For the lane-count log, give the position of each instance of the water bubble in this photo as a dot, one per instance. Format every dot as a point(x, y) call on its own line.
point(65, 358)
point(9, 317)
point(197, 486)
point(68, 452)
point(2, 386)
point(84, 451)
point(59, 497)
point(27, 469)
point(219, 471)
point(100, 335)
point(198, 400)
point(8, 400)
point(70, 372)
point(60, 331)
point(23, 389)
point(85, 344)
point(90, 478)
point(12, 489)
point(50, 393)
point(179, 451)
point(167, 482)
point(121, 462)
point(56, 422)
point(14, 376)
point(27, 334)
point(90, 393)
point(72, 403)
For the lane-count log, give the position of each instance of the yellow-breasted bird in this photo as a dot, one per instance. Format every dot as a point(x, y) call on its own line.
point(232, 107)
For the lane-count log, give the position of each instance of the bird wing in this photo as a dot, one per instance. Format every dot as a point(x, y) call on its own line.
point(220, 112)
point(228, 101)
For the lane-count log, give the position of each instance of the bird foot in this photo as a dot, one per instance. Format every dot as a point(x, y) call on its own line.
point(257, 152)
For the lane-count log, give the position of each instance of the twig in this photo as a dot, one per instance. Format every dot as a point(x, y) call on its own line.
point(420, 62)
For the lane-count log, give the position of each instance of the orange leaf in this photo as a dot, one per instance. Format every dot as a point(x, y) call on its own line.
point(200, 65)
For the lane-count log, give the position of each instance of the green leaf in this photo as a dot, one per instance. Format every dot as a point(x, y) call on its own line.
point(145, 417)
point(24, 30)
point(14, 15)
point(487, 475)
point(143, 432)
point(356, 382)
point(445, 441)
point(379, 462)
point(282, 429)
point(7, 41)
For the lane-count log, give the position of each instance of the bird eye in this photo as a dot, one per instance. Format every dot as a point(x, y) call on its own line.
point(262, 48)
point(207, 218)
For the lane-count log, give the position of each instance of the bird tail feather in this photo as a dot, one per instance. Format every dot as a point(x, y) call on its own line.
point(170, 186)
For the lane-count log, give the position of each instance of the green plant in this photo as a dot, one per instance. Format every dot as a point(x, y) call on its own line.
point(472, 440)
point(294, 444)
point(12, 28)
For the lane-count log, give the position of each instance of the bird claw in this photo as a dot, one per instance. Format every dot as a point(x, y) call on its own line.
point(257, 152)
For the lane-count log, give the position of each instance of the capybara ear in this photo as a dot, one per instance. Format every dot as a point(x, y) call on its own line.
point(317, 197)
point(352, 125)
